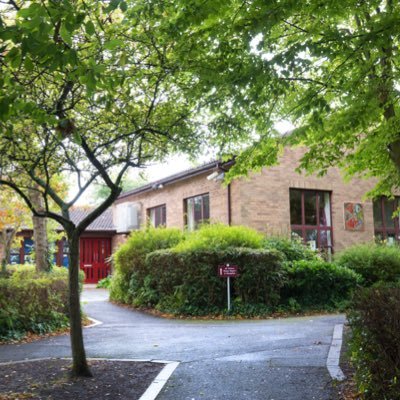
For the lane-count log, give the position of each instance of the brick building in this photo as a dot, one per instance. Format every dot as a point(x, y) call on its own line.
point(325, 211)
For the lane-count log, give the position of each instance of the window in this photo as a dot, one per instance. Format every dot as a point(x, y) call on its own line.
point(157, 215)
point(310, 217)
point(197, 210)
point(386, 225)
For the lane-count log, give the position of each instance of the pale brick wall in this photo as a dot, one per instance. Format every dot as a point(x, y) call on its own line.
point(173, 196)
point(261, 201)
point(265, 199)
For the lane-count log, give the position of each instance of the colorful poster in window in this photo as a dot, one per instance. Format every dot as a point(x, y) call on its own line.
point(353, 217)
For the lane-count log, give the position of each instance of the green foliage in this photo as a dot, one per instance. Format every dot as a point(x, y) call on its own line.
point(318, 284)
point(375, 342)
point(293, 250)
point(32, 302)
point(186, 282)
point(374, 262)
point(220, 236)
point(130, 257)
point(104, 283)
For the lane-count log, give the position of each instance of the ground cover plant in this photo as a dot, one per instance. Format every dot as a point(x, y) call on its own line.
point(33, 302)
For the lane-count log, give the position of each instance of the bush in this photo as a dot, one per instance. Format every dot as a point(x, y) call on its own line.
point(293, 250)
point(186, 282)
point(104, 283)
point(318, 284)
point(375, 343)
point(374, 262)
point(220, 236)
point(130, 258)
point(32, 302)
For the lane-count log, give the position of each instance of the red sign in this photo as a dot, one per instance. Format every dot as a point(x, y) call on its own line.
point(228, 271)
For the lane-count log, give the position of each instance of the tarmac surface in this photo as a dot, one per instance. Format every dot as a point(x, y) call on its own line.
point(280, 359)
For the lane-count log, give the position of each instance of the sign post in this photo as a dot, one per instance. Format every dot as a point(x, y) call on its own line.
point(228, 271)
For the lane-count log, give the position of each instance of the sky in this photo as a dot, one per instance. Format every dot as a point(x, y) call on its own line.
point(174, 164)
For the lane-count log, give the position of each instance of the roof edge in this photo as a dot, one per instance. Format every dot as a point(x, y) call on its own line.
point(190, 173)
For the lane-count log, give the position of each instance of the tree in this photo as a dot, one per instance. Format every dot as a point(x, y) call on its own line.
point(101, 191)
point(90, 89)
point(13, 215)
point(331, 68)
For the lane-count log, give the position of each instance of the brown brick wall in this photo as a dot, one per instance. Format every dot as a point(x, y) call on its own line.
point(261, 201)
point(265, 199)
point(173, 196)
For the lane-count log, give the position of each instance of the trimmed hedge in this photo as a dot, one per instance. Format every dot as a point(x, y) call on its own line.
point(187, 282)
point(318, 284)
point(31, 302)
point(219, 237)
point(374, 262)
point(130, 257)
point(375, 343)
point(293, 250)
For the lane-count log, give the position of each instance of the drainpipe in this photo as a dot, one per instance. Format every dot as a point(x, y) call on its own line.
point(229, 204)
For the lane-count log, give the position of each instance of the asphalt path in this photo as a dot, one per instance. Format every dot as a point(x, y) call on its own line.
point(281, 359)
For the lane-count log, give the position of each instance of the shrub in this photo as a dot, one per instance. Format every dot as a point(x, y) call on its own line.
point(130, 258)
point(318, 284)
point(186, 282)
point(375, 343)
point(293, 250)
point(374, 262)
point(104, 283)
point(32, 302)
point(220, 236)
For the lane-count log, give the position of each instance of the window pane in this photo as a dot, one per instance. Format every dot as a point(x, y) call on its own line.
point(311, 238)
point(295, 207)
point(378, 223)
point(190, 214)
point(198, 214)
point(324, 209)
point(206, 207)
point(310, 208)
point(389, 208)
point(325, 239)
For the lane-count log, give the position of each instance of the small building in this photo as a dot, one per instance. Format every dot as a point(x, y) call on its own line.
point(326, 212)
point(95, 246)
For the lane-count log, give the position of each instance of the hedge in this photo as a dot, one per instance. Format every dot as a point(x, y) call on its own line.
point(375, 343)
point(31, 302)
point(374, 262)
point(187, 282)
point(318, 284)
point(130, 258)
point(292, 249)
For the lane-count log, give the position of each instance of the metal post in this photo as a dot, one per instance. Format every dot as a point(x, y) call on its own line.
point(228, 288)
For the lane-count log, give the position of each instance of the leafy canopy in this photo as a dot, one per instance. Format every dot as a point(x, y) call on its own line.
point(331, 68)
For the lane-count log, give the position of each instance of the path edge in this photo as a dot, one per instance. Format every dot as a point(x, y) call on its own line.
point(333, 360)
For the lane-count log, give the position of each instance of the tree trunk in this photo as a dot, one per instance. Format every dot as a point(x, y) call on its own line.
point(7, 238)
point(40, 234)
point(79, 363)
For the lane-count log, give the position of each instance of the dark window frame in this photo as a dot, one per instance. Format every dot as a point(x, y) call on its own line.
point(197, 222)
point(160, 216)
point(303, 227)
point(384, 230)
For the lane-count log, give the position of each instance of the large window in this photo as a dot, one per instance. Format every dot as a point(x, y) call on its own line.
point(157, 215)
point(197, 210)
point(386, 225)
point(310, 217)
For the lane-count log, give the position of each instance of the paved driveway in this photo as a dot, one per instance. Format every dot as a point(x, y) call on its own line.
point(270, 359)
